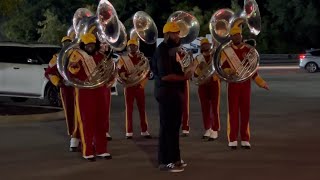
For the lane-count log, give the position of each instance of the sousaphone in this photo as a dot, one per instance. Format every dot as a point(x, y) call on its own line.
point(249, 16)
point(189, 30)
point(105, 27)
point(146, 30)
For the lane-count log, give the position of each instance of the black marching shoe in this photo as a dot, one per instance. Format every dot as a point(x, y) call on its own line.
point(185, 133)
point(73, 149)
point(206, 134)
point(171, 167)
point(213, 136)
point(106, 156)
point(233, 145)
point(146, 135)
point(74, 145)
point(181, 163)
point(129, 135)
point(245, 145)
point(90, 158)
point(109, 138)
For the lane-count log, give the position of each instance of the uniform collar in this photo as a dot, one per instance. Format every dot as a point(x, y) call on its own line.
point(131, 55)
point(207, 56)
point(236, 47)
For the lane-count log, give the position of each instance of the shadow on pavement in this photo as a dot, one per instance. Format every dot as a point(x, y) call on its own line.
point(8, 109)
point(150, 147)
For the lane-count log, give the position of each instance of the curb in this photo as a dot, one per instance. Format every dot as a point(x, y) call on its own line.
point(33, 117)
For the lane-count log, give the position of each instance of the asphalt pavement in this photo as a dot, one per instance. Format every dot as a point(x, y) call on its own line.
point(284, 127)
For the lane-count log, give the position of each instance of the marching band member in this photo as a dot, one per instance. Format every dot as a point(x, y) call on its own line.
point(104, 49)
point(209, 93)
point(67, 97)
point(91, 104)
point(126, 65)
point(238, 92)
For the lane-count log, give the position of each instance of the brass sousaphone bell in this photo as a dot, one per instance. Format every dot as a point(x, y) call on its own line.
point(220, 25)
point(219, 28)
point(146, 30)
point(105, 26)
point(189, 30)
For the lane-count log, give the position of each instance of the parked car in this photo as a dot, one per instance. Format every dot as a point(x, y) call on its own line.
point(22, 69)
point(310, 61)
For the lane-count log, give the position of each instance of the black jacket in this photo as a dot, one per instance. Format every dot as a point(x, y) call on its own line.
point(164, 63)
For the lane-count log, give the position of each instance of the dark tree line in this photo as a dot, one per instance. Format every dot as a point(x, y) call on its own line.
point(287, 26)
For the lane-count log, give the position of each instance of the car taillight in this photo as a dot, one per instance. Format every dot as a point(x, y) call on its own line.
point(302, 56)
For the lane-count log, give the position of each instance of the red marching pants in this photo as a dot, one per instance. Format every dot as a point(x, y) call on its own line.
point(186, 108)
point(131, 93)
point(68, 103)
point(92, 118)
point(108, 106)
point(239, 105)
point(209, 95)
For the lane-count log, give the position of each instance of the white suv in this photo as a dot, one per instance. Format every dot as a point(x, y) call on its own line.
point(310, 61)
point(22, 68)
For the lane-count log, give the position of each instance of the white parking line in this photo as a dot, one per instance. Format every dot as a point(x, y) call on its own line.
point(34, 106)
point(279, 67)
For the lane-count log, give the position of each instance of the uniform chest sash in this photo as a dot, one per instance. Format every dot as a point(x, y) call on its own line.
point(88, 63)
point(200, 59)
point(233, 58)
point(129, 66)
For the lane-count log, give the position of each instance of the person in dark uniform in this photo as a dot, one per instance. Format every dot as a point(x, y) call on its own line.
point(170, 83)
